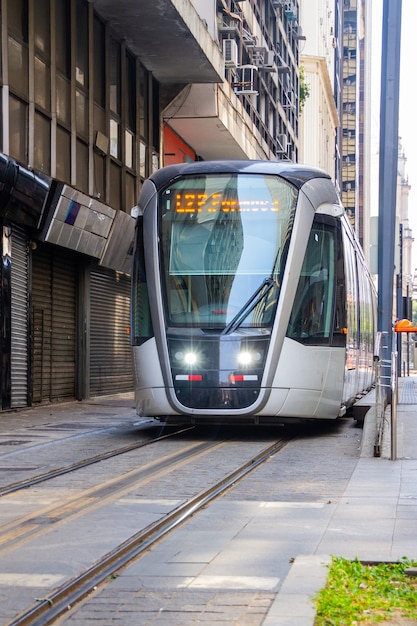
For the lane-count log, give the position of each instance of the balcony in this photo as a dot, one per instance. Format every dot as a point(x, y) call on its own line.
point(169, 38)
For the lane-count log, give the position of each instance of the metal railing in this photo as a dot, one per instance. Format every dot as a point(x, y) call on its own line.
point(386, 392)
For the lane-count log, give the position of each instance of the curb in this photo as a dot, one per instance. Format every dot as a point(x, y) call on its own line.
point(294, 603)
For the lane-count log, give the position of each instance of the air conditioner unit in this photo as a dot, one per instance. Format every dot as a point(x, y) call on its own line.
point(258, 55)
point(248, 39)
point(297, 33)
point(282, 67)
point(282, 142)
point(246, 80)
point(230, 52)
point(290, 10)
point(269, 61)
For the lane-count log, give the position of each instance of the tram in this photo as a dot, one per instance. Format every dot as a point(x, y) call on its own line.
point(251, 299)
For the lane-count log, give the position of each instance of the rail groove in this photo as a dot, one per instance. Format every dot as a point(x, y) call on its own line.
point(78, 588)
point(104, 456)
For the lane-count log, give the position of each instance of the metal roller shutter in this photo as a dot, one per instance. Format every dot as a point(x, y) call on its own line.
point(54, 324)
point(19, 327)
point(111, 366)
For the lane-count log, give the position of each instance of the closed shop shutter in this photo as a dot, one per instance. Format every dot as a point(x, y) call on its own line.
point(111, 366)
point(19, 328)
point(54, 324)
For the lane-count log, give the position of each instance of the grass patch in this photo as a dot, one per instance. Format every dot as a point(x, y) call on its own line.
point(356, 593)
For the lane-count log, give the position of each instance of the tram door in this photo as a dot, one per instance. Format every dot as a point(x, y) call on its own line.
point(53, 324)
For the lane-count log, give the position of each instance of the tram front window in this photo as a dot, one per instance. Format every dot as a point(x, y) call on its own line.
point(224, 241)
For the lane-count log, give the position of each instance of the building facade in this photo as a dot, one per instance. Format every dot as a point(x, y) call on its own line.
point(253, 112)
point(94, 97)
point(80, 130)
point(319, 120)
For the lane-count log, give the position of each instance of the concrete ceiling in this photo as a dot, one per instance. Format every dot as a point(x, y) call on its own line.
point(168, 36)
point(209, 138)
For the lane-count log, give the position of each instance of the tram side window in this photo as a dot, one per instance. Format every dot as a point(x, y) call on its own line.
point(141, 322)
point(311, 319)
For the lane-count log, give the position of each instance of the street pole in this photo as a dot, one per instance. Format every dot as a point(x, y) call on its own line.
point(388, 165)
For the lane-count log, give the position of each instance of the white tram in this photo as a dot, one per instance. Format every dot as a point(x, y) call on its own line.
point(251, 300)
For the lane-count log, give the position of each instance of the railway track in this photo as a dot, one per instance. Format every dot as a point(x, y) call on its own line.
point(72, 467)
point(139, 477)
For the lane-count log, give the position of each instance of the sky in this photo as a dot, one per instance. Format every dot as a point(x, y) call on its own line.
point(408, 107)
point(407, 123)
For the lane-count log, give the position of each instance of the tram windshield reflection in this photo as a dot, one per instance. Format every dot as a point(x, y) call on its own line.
point(222, 237)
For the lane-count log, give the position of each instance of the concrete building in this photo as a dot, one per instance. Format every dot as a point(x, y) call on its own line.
point(253, 111)
point(404, 267)
point(319, 119)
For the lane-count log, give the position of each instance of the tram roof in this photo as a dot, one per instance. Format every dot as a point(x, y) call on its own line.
point(295, 173)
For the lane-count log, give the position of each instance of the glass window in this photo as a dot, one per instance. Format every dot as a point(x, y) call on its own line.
point(99, 118)
point(142, 159)
point(42, 85)
point(141, 316)
point(62, 37)
point(42, 143)
point(42, 27)
point(131, 195)
point(63, 100)
point(17, 17)
point(312, 315)
point(82, 166)
point(114, 76)
point(115, 185)
point(155, 115)
point(81, 56)
point(225, 240)
point(143, 100)
point(18, 129)
point(63, 154)
point(99, 175)
point(99, 68)
point(114, 139)
point(129, 149)
point(130, 92)
point(18, 67)
point(81, 107)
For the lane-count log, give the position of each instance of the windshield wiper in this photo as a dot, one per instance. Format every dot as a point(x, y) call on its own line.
point(257, 297)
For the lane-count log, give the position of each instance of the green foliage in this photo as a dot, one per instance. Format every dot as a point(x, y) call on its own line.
point(355, 593)
point(304, 89)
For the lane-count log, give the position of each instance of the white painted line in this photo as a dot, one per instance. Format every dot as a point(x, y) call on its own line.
point(263, 583)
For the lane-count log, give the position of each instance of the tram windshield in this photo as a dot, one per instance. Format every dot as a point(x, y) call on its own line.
point(224, 240)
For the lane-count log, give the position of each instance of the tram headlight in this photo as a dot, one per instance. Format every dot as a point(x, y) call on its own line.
point(246, 357)
point(190, 358)
point(186, 357)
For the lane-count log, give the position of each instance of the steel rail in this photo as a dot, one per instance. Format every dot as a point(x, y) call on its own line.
point(104, 456)
point(89, 499)
point(78, 588)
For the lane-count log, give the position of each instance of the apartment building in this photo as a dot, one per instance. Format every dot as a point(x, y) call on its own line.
point(320, 58)
point(253, 111)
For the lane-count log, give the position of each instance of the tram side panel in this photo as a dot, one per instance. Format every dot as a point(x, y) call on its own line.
point(361, 321)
